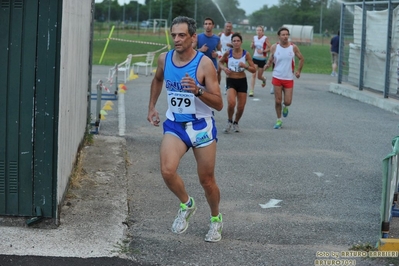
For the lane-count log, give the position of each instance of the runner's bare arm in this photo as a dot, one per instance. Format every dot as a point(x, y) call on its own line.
point(271, 57)
point(219, 46)
point(207, 75)
point(301, 59)
point(268, 46)
point(251, 66)
point(156, 88)
point(222, 63)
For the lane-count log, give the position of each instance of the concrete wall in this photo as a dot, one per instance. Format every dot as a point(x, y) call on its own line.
point(74, 80)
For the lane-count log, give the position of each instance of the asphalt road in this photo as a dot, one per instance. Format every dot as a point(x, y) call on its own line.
point(324, 165)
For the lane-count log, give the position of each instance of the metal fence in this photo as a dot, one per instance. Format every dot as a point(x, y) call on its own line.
point(390, 182)
point(369, 46)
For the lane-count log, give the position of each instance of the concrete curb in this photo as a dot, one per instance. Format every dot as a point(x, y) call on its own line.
point(388, 244)
point(368, 97)
point(92, 220)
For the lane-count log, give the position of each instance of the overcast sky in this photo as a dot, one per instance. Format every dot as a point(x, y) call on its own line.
point(248, 5)
point(252, 5)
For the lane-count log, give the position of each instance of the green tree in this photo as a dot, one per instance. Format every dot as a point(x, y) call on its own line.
point(207, 8)
point(108, 7)
point(261, 17)
point(286, 13)
point(298, 12)
point(331, 18)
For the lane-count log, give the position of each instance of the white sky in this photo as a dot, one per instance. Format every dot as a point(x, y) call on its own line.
point(248, 5)
point(252, 5)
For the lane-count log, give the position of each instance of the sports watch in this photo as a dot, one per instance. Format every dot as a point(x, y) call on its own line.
point(200, 92)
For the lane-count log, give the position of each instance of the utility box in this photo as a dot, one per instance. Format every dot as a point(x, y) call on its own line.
point(45, 74)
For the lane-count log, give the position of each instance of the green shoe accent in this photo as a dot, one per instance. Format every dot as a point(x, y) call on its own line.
point(278, 124)
point(217, 219)
point(215, 229)
point(285, 111)
point(183, 206)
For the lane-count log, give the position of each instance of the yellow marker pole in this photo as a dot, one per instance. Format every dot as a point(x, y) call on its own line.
point(167, 38)
point(106, 44)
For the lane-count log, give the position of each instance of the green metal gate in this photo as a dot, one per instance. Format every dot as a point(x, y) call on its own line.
point(29, 76)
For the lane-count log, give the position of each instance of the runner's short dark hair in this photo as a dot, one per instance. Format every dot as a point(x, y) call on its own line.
point(236, 34)
point(281, 29)
point(208, 18)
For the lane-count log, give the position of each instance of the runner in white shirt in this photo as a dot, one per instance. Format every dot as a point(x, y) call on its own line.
point(234, 63)
point(261, 46)
point(225, 41)
point(282, 57)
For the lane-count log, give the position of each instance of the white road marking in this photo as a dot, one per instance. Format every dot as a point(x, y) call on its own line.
point(271, 204)
point(121, 114)
point(318, 174)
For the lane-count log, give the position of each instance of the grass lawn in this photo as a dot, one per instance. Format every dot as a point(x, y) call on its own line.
point(317, 55)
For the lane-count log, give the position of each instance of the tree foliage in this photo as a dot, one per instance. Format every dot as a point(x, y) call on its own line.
point(297, 12)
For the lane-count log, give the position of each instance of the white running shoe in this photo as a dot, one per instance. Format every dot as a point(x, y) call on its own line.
point(183, 215)
point(236, 128)
point(228, 127)
point(215, 229)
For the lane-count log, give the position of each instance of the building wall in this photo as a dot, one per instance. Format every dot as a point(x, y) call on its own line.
point(74, 80)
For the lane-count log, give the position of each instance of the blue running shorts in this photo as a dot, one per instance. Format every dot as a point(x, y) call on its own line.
point(196, 134)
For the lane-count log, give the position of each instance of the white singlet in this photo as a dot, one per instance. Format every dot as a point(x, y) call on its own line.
point(224, 40)
point(234, 63)
point(284, 62)
point(259, 44)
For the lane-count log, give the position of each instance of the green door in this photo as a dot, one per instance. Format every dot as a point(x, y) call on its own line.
point(24, 170)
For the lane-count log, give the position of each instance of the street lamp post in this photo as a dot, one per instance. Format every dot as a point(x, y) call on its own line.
point(160, 15)
point(109, 13)
point(321, 17)
point(195, 11)
point(170, 12)
point(137, 18)
point(124, 5)
point(149, 11)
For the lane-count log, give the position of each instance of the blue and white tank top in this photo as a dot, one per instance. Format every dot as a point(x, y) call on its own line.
point(234, 63)
point(183, 106)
